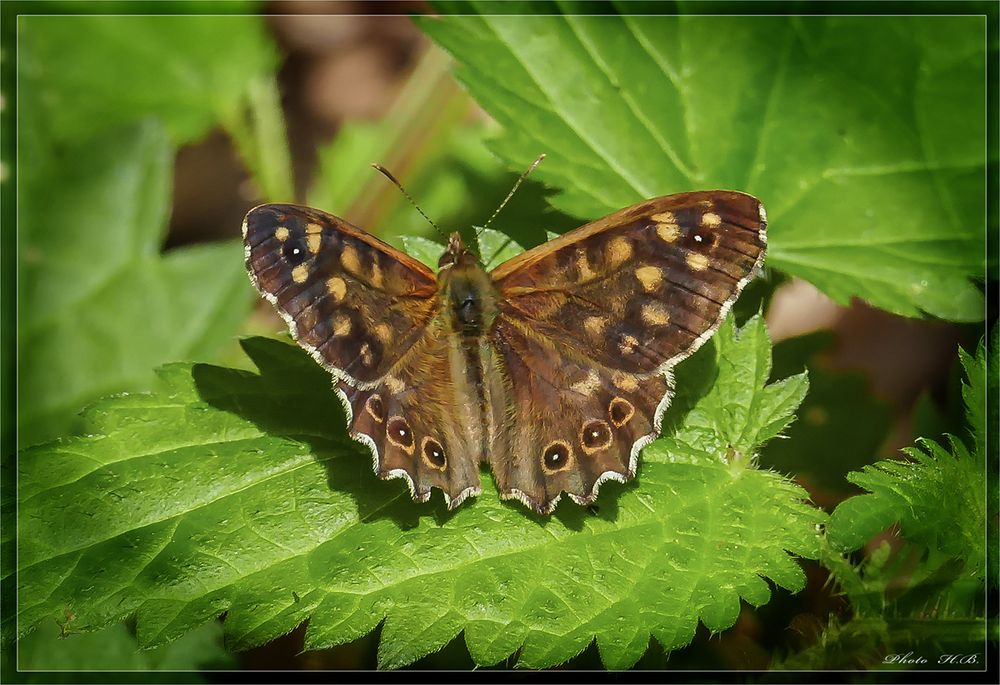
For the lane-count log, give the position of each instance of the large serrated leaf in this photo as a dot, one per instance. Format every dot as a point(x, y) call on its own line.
point(873, 178)
point(229, 491)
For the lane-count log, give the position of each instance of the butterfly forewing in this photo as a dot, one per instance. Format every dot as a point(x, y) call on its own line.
point(353, 301)
point(642, 288)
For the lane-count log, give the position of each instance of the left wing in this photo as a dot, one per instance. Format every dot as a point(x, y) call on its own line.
point(354, 302)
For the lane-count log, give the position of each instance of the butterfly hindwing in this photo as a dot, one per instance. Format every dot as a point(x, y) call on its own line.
point(353, 301)
point(640, 289)
point(412, 423)
point(572, 425)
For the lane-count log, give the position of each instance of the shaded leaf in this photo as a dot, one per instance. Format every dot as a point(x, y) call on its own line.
point(88, 657)
point(86, 74)
point(840, 425)
point(939, 496)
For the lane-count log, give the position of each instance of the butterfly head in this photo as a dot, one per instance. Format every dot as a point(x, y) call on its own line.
point(456, 254)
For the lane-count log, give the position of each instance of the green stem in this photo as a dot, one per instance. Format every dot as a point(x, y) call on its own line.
point(259, 134)
point(275, 170)
point(424, 114)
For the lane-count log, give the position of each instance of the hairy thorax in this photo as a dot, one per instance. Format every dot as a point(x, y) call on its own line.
point(468, 297)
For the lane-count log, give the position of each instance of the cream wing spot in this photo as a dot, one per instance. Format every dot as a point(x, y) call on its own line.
point(349, 258)
point(711, 220)
point(589, 385)
point(281, 233)
point(668, 232)
point(383, 332)
point(377, 280)
point(664, 218)
point(341, 326)
point(595, 325)
point(583, 267)
point(649, 277)
point(619, 250)
point(337, 287)
point(627, 344)
point(300, 273)
point(395, 385)
point(625, 381)
point(366, 354)
point(655, 314)
point(697, 262)
point(313, 237)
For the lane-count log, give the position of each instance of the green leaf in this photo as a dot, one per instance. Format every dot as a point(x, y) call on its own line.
point(741, 411)
point(496, 248)
point(939, 497)
point(873, 178)
point(983, 382)
point(229, 491)
point(100, 307)
point(86, 74)
point(423, 249)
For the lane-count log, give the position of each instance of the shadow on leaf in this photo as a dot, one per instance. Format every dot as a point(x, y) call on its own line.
point(293, 397)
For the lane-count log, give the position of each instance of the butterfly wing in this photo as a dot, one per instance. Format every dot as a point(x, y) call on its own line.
point(590, 324)
point(366, 312)
point(351, 300)
point(412, 419)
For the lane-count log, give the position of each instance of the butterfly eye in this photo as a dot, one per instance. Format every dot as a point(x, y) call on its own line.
point(433, 454)
point(556, 456)
point(293, 251)
point(399, 434)
point(595, 435)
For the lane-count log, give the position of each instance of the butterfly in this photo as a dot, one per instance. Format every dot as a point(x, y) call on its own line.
point(554, 368)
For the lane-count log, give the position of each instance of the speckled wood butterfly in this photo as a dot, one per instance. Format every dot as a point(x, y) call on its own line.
point(554, 368)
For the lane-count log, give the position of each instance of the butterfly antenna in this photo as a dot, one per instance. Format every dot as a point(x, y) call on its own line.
point(385, 172)
point(520, 180)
